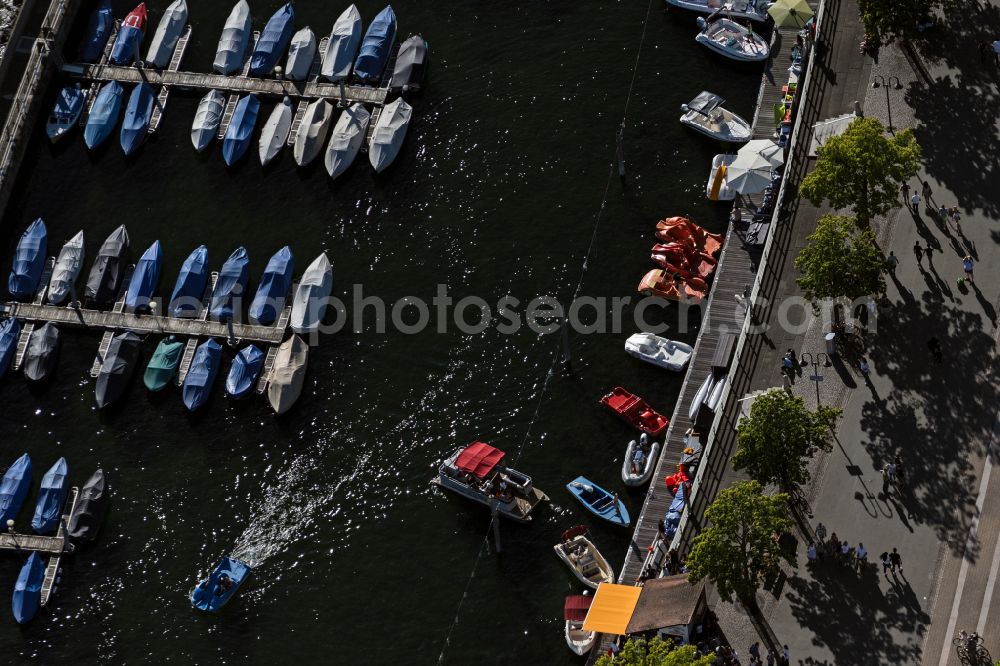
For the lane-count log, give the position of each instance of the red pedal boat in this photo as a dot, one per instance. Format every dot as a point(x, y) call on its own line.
point(636, 412)
point(683, 230)
point(677, 258)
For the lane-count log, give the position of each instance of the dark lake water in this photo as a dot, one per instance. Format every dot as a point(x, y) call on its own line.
point(496, 192)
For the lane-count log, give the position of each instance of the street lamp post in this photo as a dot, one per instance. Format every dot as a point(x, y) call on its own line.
point(879, 80)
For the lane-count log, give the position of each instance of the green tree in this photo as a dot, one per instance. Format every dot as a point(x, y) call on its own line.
point(655, 652)
point(840, 261)
point(737, 551)
point(862, 169)
point(779, 437)
point(897, 19)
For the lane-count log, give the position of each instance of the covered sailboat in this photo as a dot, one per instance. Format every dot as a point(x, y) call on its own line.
point(14, 488)
point(29, 261)
point(163, 365)
point(411, 63)
point(138, 113)
point(301, 53)
point(99, 27)
point(27, 597)
point(240, 129)
point(86, 518)
point(342, 46)
point(313, 131)
point(117, 368)
point(376, 46)
point(106, 274)
point(232, 49)
point(41, 354)
point(273, 41)
point(200, 378)
point(207, 118)
point(144, 280)
point(67, 269)
point(288, 374)
point(245, 371)
point(274, 135)
point(10, 331)
point(103, 114)
point(65, 113)
point(214, 592)
point(189, 290)
point(310, 300)
point(51, 497)
point(129, 37)
point(389, 132)
point(273, 289)
point(346, 139)
point(168, 32)
point(232, 284)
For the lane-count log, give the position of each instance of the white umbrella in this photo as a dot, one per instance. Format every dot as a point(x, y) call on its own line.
point(766, 149)
point(750, 173)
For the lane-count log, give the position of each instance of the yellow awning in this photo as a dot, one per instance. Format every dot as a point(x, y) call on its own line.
point(612, 608)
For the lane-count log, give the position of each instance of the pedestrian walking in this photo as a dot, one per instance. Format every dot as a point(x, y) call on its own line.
point(956, 216)
point(885, 481)
point(900, 471)
point(771, 658)
point(890, 469)
point(905, 191)
point(892, 261)
point(865, 368)
point(886, 564)
point(821, 532)
point(787, 365)
point(918, 251)
point(754, 650)
point(967, 265)
point(785, 655)
point(811, 552)
point(896, 561)
point(929, 251)
point(915, 203)
point(846, 553)
point(861, 556)
point(926, 191)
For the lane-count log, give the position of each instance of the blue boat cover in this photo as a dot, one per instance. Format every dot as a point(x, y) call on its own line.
point(10, 331)
point(240, 130)
point(138, 113)
point(126, 48)
point(376, 46)
point(245, 371)
point(185, 300)
point(14, 488)
point(144, 279)
point(29, 260)
point(98, 31)
point(28, 589)
point(104, 115)
point(231, 285)
point(209, 596)
point(274, 286)
point(200, 378)
point(273, 41)
point(673, 517)
point(51, 497)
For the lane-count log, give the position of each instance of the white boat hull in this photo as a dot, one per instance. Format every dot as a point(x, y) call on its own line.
point(704, 391)
point(653, 349)
point(232, 49)
point(313, 131)
point(274, 135)
point(586, 562)
point(724, 193)
point(344, 42)
point(301, 53)
point(728, 127)
point(346, 139)
point(629, 477)
point(161, 48)
point(390, 130)
point(579, 641)
point(207, 119)
point(310, 299)
point(738, 8)
point(733, 41)
point(66, 269)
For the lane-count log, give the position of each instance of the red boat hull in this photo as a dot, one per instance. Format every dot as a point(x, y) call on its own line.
point(633, 410)
point(137, 17)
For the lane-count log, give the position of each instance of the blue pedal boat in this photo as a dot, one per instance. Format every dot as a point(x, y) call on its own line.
point(245, 371)
point(240, 130)
point(51, 497)
point(376, 46)
point(274, 287)
point(231, 285)
point(200, 378)
point(103, 116)
point(273, 41)
point(214, 592)
point(14, 488)
point(28, 590)
point(599, 501)
point(29, 261)
point(145, 278)
point(185, 299)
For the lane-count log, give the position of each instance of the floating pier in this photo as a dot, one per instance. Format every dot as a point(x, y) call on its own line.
point(172, 66)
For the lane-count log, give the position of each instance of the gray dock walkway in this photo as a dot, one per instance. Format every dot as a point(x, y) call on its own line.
point(47, 545)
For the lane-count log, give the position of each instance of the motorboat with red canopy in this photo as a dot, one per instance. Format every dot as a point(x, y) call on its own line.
point(575, 612)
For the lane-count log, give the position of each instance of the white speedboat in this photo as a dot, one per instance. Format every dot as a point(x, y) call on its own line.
point(232, 49)
point(390, 130)
point(705, 114)
point(312, 132)
point(478, 472)
point(310, 300)
point(207, 119)
point(284, 386)
point(169, 30)
point(732, 40)
point(575, 613)
point(275, 133)
point(582, 557)
point(638, 475)
point(717, 188)
point(650, 348)
point(66, 269)
point(342, 46)
point(301, 53)
point(346, 139)
point(755, 10)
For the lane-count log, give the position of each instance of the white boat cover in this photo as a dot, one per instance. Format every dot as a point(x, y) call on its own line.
point(343, 45)
point(288, 374)
point(235, 38)
point(301, 53)
point(346, 139)
point(390, 130)
point(66, 269)
point(207, 119)
point(169, 30)
point(309, 302)
point(275, 133)
point(659, 351)
point(313, 131)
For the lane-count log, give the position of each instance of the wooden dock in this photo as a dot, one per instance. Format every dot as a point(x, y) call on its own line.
point(312, 77)
point(117, 308)
point(29, 328)
point(192, 345)
point(51, 578)
point(46, 545)
point(227, 113)
point(283, 318)
point(172, 66)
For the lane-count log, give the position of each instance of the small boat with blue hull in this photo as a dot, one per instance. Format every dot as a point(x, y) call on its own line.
point(185, 299)
point(232, 49)
point(103, 115)
point(245, 371)
point(240, 129)
point(200, 378)
point(14, 488)
point(129, 37)
point(29, 261)
point(99, 27)
point(65, 113)
point(273, 42)
point(28, 590)
point(117, 368)
point(375, 48)
point(85, 521)
point(163, 365)
point(342, 46)
point(274, 286)
point(231, 285)
point(145, 278)
point(168, 32)
point(106, 274)
point(10, 331)
point(599, 501)
point(41, 354)
point(51, 497)
point(138, 113)
point(214, 592)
